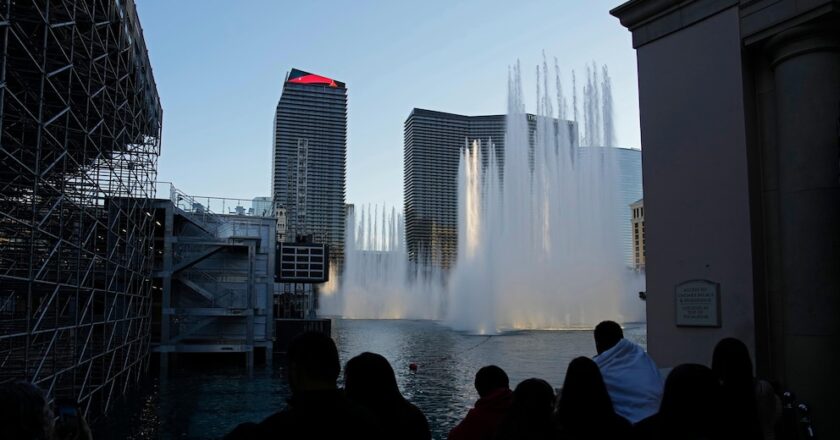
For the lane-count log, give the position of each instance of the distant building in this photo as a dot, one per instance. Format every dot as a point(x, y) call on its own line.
point(262, 207)
point(637, 221)
point(432, 146)
point(310, 156)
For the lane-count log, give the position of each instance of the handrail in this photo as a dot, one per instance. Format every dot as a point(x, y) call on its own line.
point(196, 211)
point(253, 207)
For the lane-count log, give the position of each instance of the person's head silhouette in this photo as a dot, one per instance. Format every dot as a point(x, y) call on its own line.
point(607, 334)
point(312, 363)
point(489, 379)
point(24, 413)
point(733, 367)
point(584, 394)
point(370, 380)
point(731, 362)
point(691, 401)
point(535, 398)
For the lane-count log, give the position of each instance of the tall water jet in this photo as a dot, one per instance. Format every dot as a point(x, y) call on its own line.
point(607, 109)
point(539, 233)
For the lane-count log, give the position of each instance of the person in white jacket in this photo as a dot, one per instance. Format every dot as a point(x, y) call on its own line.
point(632, 378)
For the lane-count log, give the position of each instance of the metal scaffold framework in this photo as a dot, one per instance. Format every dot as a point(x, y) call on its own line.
point(81, 124)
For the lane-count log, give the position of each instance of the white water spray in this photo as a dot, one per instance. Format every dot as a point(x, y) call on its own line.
point(539, 241)
point(539, 244)
point(378, 281)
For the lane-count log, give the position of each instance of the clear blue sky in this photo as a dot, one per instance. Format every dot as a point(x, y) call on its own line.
point(220, 65)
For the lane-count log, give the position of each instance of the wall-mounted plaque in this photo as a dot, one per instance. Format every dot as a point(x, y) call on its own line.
point(697, 303)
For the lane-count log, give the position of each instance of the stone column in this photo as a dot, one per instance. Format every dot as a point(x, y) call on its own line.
point(806, 65)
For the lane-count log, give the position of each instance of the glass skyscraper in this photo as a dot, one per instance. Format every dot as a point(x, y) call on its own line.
point(431, 154)
point(630, 190)
point(310, 158)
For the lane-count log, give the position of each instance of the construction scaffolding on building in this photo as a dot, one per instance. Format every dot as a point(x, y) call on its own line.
point(81, 125)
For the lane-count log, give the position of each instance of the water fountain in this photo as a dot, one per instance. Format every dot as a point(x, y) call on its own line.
point(539, 244)
point(539, 229)
point(378, 280)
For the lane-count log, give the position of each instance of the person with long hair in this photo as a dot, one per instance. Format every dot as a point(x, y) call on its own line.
point(585, 410)
point(316, 408)
point(369, 381)
point(531, 414)
point(751, 405)
point(691, 408)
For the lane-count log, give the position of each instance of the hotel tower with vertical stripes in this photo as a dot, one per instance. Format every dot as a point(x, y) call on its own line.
point(310, 158)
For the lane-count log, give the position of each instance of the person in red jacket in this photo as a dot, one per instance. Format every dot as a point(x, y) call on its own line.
point(495, 399)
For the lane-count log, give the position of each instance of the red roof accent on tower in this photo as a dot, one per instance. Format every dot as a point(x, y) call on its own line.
point(313, 79)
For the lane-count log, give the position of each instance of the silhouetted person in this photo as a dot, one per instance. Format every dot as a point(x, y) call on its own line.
point(24, 413)
point(531, 415)
point(631, 376)
point(584, 410)
point(317, 409)
point(751, 406)
point(495, 398)
point(70, 425)
point(690, 410)
point(369, 381)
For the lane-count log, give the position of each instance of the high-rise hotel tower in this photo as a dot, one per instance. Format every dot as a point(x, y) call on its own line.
point(310, 158)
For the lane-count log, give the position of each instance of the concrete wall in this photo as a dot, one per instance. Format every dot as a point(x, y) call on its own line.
point(770, 69)
point(695, 183)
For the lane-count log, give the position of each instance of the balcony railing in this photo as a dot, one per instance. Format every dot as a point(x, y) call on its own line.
point(202, 205)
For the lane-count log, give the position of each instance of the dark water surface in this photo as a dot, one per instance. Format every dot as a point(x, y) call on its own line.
point(206, 397)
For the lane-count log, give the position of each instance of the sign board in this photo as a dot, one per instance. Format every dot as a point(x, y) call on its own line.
point(302, 263)
point(697, 304)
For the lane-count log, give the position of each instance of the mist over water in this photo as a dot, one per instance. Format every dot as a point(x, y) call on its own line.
point(378, 280)
point(539, 243)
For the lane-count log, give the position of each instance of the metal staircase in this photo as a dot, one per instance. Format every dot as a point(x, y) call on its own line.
point(209, 280)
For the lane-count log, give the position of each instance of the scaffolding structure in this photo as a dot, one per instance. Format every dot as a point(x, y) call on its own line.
point(81, 121)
